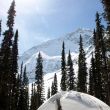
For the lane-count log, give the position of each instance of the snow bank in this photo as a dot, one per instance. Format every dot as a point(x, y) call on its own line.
point(74, 101)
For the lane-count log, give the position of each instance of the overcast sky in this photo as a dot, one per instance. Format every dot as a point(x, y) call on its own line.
point(41, 20)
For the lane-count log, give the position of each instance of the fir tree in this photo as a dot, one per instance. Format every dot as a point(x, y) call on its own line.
point(92, 77)
point(101, 90)
point(98, 61)
point(11, 15)
point(71, 77)
point(63, 70)
point(14, 72)
point(55, 84)
point(48, 93)
point(25, 78)
point(82, 69)
point(34, 96)
point(106, 4)
point(20, 89)
point(6, 79)
point(0, 27)
point(23, 103)
point(54, 88)
point(39, 80)
point(25, 91)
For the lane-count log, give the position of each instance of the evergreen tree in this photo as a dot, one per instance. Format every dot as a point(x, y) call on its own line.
point(106, 4)
point(34, 96)
point(0, 27)
point(48, 93)
point(6, 79)
point(25, 90)
point(20, 89)
point(63, 70)
point(14, 72)
point(11, 15)
point(39, 80)
point(71, 77)
point(55, 84)
point(92, 77)
point(54, 88)
point(23, 103)
point(82, 69)
point(101, 90)
point(25, 78)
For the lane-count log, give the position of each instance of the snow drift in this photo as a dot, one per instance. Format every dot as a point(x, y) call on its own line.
point(74, 101)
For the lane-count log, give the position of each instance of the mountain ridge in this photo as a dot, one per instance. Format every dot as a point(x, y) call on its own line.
point(51, 51)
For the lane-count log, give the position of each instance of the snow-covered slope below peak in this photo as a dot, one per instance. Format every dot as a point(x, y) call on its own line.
point(73, 100)
point(51, 51)
point(53, 47)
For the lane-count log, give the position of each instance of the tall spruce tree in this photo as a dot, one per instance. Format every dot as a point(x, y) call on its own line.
point(71, 77)
point(20, 88)
point(34, 103)
point(25, 90)
point(6, 79)
point(23, 102)
point(54, 88)
point(63, 70)
point(0, 27)
point(14, 71)
point(92, 77)
point(101, 90)
point(106, 4)
point(48, 93)
point(82, 69)
point(39, 80)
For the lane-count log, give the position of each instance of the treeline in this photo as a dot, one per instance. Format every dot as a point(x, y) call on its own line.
point(99, 72)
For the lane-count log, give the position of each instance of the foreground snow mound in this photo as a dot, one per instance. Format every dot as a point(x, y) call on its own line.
point(74, 101)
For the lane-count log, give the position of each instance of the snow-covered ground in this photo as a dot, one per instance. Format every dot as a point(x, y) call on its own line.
point(73, 100)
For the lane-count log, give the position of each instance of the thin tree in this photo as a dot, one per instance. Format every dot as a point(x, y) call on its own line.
point(54, 88)
point(0, 27)
point(82, 69)
point(14, 71)
point(71, 77)
point(63, 70)
point(48, 93)
point(92, 77)
point(25, 90)
point(39, 80)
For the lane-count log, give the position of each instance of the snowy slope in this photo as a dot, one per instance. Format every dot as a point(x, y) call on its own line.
point(51, 51)
point(74, 101)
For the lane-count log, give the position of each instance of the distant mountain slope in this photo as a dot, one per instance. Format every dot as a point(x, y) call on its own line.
point(51, 51)
point(74, 101)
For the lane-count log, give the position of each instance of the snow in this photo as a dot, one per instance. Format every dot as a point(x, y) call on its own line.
point(73, 100)
point(51, 52)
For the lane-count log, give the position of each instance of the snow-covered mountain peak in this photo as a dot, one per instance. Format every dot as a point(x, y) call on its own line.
point(51, 51)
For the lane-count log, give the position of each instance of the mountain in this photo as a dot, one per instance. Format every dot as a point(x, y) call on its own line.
point(51, 51)
point(74, 101)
